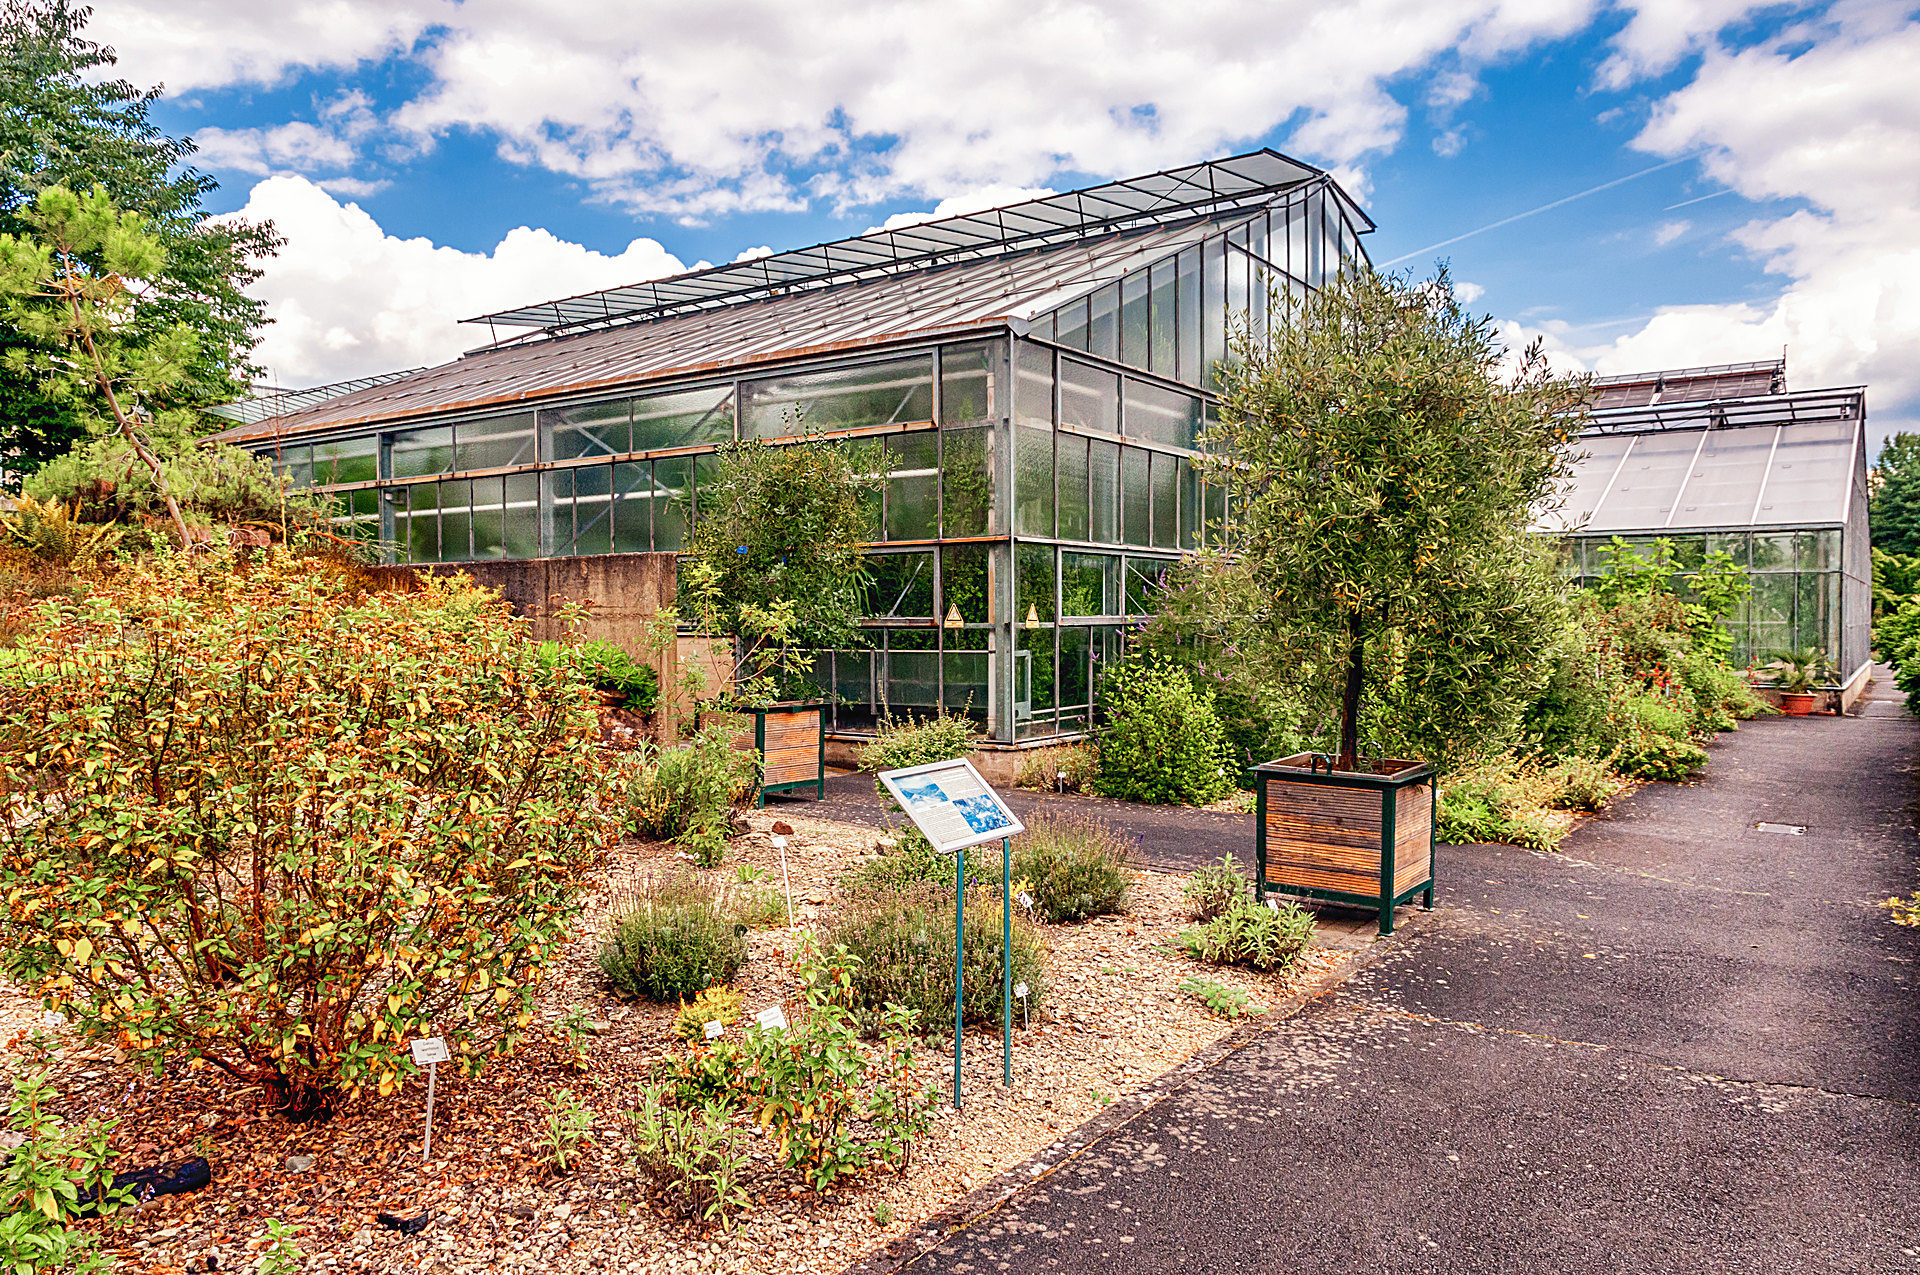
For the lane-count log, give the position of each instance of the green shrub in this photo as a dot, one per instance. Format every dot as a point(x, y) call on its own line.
point(916, 741)
point(903, 940)
point(44, 1180)
point(906, 858)
point(287, 825)
point(697, 1156)
point(1215, 888)
point(566, 1126)
point(1075, 869)
point(673, 940)
point(1064, 768)
point(687, 794)
point(1162, 742)
point(715, 1005)
point(1222, 1001)
point(611, 671)
point(1503, 801)
point(1655, 756)
point(1582, 783)
point(1251, 934)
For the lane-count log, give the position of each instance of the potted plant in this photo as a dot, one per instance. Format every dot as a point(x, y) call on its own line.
point(1796, 674)
point(1382, 471)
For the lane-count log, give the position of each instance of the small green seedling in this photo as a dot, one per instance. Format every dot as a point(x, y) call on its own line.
point(1226, 1002)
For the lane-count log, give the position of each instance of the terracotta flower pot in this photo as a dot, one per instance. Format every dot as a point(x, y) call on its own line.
point(1797, 703)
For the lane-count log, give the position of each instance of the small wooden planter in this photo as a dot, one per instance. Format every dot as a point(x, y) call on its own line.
point(1360, 838)
point(792, 739)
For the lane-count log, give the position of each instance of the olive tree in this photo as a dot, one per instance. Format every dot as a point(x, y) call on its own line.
point(1383, 462)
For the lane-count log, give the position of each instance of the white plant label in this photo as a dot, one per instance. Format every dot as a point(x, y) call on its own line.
point(714, 1028)
point(779, 842)
point(429, 1049)
point(1273, 905)
point(1020, 990)
point(1026, 900)
point(774, 1019)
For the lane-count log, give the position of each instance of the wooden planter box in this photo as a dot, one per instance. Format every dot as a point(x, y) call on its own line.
point(792, 739)
point(1360, 838)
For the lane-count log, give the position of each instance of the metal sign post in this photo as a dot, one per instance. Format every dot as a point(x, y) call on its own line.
point(430, 1051)
point(955, 808)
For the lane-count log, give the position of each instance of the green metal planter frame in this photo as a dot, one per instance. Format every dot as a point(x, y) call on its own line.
point(819, 780)
point(1319, 771)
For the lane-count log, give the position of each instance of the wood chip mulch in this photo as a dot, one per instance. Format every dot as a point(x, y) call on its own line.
point(1115, 1021)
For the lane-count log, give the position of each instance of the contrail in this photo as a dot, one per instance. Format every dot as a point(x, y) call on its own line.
point(1508, 221)
point(1697, 199)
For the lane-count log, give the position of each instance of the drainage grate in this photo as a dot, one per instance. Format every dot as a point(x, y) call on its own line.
point(1789, 829)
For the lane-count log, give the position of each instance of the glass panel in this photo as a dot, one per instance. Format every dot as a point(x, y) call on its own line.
point(1089, 397)
point(1187, 364)
point(489, 532)
point(672, 489)
point(1144, 577)
point(422, 532)
point(1812, 470)
point(1296, 262)
point(418, 452)
point(1166, 499)
point(964, 584)
point(1213, 310)
point(1239, 284)
point(1033, 481)
point(520, 521)
point(706, 469)
point(1103, 324)
point(890, 393)
point(913, 487)
point(1594, 463)
point(966, 685)
point(630, 507)
point(1033, 584)
point(912, 683)
point(1648, 480)
point(1189, 505)
point(1073, 325)
point(966, 383)
point(967, 481)
point(901, 585)
point(494, 442)
point(1135, 527)
point(1812, 625)
point(1071, 457)
point(1161, 415)
point(1771, 608)
point(1817, 551)
point(456, 521)
point(595, 429)
point(346, 460)
point(1041, 329)
point(1773, 552)
point(1103, 467)
point(295, 463)
point(592, 509)
point(1089, 584)
point(1075, 689)
point(1724, 484)
point(1215, 530)
point(1165, 320)
point(1257, 304)
point(1135, 322)
point(1033, 384)
point(687, 419)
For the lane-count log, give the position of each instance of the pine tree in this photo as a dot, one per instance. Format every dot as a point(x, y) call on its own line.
point(64, 123)
point(1895, 511)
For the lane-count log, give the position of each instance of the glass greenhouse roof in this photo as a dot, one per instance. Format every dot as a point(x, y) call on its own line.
point(1177, 194)
point(1781, 460)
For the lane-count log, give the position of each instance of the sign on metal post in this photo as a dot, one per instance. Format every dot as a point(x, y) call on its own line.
point(429, 1052)
point(955, 808)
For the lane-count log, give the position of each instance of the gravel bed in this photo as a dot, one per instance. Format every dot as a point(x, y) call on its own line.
point(1115, 1021)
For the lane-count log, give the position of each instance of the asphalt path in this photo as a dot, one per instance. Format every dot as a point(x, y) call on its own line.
point(1686, 1044)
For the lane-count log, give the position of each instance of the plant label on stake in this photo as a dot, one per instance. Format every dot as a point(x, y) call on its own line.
point(429, 1052)
point(1020, 990)
point(773, 1019)
point(955, 808)
point(781, 831)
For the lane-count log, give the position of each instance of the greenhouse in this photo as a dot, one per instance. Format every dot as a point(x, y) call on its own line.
point(1728, 459)
point(1036, 376)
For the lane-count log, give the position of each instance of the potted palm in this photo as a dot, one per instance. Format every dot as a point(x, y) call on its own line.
point(1796, 674)
point(1383, 473)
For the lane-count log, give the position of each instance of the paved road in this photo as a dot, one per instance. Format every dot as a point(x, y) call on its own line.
point(1687, 1044)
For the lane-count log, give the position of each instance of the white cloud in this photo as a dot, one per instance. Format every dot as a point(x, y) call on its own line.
point(1824, 116)
point(970, 202)
point(1662, 32)
point(753, 254)
point(698, 110)
point(1468, 292)
point(1668, 231)
point(347, 299)
point(194, 44)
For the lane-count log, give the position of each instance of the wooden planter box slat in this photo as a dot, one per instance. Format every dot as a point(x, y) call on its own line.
point(792, 739)
point(1358, 838)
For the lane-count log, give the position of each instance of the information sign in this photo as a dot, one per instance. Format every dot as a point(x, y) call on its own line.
point(429, 1049)
point(951, 804)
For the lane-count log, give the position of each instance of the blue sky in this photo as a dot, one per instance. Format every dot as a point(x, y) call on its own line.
point(430, 159)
